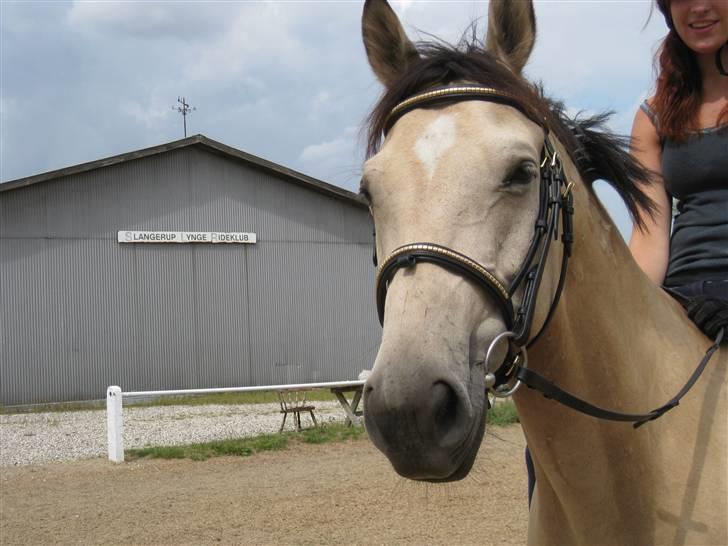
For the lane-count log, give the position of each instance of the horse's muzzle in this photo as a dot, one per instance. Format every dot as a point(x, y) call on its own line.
point(428, 429)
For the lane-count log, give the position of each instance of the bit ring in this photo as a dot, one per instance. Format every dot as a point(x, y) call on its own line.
point(503, 391)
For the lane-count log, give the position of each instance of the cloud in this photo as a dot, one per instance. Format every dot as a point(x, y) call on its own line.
point(594, 48)
point(151, 113)
point(334, 159)
point(8, 107)
point(259, 39)
point(320, 104)
point(622, 121)
point(151, 20)
point(8, 110)
point(325, 151)
point(402, 6)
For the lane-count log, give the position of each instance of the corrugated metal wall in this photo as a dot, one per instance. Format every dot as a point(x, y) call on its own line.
point(79, 311)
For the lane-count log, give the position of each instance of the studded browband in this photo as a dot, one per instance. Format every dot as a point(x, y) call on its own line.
point(460, 93)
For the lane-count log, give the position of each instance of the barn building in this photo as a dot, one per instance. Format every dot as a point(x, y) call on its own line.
point(186, 265)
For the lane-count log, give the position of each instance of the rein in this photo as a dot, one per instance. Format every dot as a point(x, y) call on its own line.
point(555, 202)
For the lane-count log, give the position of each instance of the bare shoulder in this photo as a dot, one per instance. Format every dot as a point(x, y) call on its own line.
point(645, 122)
point(645, 138)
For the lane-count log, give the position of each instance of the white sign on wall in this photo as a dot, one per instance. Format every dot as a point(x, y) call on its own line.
point(186, 237)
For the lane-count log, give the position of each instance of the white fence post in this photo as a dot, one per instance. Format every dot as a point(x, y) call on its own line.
point(114, 424)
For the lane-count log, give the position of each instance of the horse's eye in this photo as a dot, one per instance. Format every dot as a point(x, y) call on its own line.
point(364, 192)
point(524, 173)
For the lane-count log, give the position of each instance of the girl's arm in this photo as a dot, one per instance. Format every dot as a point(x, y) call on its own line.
point(650, 246)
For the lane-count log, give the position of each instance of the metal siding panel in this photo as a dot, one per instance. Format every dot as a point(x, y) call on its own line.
point(23, 213)
point(310, 304)
point(221, 311)
point(164, 282)
point(63, 313)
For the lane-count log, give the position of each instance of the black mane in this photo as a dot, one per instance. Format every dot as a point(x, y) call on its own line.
point(596, 152)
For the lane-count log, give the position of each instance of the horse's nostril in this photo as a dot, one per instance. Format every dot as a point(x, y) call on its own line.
point(445, 409)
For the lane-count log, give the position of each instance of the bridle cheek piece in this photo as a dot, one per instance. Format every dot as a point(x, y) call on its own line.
point(555, 203)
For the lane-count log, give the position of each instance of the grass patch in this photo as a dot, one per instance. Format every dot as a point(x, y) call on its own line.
point(503, 413)
point(56, 407)
point(244, 447)
point(164, 452)
point(326, 434)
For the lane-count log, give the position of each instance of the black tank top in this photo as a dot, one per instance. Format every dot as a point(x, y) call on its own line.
point(696, 174)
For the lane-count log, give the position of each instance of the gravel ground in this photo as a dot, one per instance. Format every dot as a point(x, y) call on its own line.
point(30, 438)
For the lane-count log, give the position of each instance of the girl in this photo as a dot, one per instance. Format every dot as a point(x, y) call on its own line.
point(681, 133)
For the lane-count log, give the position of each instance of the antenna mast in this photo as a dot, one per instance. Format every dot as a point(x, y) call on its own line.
point(184, 110)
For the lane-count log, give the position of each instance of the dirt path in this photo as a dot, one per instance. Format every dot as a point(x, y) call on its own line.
point(309, 494)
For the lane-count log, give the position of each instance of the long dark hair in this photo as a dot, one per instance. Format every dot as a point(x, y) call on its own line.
point(679, 92)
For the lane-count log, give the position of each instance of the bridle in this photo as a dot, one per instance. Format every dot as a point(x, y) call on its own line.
point(555, 203)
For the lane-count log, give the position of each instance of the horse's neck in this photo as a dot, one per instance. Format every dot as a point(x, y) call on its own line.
point(614, 329)
point(618, 342)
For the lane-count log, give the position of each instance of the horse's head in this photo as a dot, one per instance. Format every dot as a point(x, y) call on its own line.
point(465, 175)
point(463, 171)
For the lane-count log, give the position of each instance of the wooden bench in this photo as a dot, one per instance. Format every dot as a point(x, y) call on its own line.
point(295, 402)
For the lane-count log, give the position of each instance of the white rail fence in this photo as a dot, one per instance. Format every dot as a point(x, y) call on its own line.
point(115, 411)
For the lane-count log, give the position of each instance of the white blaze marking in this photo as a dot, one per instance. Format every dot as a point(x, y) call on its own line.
point(438, 138)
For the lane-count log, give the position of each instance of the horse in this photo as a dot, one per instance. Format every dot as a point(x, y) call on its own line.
point(498, 266)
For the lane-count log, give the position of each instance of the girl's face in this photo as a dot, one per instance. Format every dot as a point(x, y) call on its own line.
point(702, 24)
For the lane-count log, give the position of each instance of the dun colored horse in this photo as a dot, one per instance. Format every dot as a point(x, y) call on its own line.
point(473, 175)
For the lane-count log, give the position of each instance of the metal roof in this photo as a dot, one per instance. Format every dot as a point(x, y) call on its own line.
point(205, 143)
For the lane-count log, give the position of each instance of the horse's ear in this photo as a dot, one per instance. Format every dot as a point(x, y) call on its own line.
point(387, 46)
point(511, 31)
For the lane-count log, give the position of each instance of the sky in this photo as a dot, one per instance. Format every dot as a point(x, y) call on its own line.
point(287, 81)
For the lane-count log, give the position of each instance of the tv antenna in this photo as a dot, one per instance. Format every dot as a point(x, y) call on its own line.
point(185, 110)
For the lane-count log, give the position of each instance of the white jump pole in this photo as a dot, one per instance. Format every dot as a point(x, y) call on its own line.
point(114, 424)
